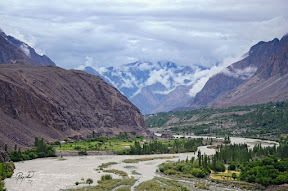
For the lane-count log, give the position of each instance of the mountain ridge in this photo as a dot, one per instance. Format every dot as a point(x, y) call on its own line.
point(255, 70)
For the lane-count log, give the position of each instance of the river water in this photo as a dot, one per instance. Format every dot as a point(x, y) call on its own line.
point(54, 174)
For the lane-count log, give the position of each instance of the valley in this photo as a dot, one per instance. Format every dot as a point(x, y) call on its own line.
point(184, 114)
point(61, 173)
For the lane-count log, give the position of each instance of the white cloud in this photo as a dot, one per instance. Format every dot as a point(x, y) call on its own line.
point(161, 76)
point(244, 74)
point(25, 49)
point(89, 61)
point(116, 32)
point(145, 66)
point(201, 77)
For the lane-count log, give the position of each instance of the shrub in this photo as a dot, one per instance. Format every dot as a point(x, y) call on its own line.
point(82, 152)
point(89, 181)
point(219, 167)
point(77, 148)
point(106, 177)
point(170, 172)
point(197, 172)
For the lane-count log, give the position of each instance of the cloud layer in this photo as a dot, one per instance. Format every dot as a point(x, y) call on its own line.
point(116, 32)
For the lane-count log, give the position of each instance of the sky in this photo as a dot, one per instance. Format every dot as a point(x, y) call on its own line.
point(99, 33)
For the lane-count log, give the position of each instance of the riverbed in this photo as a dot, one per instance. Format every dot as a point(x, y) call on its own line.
point(54, 174)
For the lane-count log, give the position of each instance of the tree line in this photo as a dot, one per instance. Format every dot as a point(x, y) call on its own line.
point(40, 150)
point(158, 147)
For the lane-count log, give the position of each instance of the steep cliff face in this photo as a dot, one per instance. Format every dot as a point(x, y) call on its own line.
point(54, 103)
point(258, 62)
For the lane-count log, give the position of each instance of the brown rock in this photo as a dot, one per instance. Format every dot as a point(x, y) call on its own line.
point(53, 103)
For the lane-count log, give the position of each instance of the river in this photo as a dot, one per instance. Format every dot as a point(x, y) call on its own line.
point(53, 174)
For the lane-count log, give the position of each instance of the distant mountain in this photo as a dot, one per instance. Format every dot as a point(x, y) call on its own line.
point(152, 87)
point(260, 77)
point(53, 103)
point(13, 51)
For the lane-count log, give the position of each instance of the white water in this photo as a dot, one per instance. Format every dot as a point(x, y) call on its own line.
point(55, 174)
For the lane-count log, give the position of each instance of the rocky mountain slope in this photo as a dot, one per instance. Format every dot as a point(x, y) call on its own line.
point(54, 103)
point(13, 51)
point(260, 77)
point(152, 87)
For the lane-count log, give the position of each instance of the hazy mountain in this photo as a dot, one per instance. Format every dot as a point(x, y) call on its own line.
point(152, 87)
point(53, 103)
point(260, 77)
point(13, 51)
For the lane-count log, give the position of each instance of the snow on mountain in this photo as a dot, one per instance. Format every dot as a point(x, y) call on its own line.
point(148, 85)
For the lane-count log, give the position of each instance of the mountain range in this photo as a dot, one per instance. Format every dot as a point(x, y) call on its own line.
point(152, 87)
point(39, 99)
point(259, 77)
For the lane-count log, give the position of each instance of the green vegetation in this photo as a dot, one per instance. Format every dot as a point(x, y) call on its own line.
point(147, 159)
point(263, 165)
point(106, 165)
point(268, 165)
point(238, 153)
point(227, 175)
point(115, 144)
point(106, 177)
point(158, 147)
point(247, 121)
point(158, 184)
point(6, 171)
point(130, 161)
point(134, 172)
point(134, 146)
point(40, 150)
point(107, 185)
point(189, 168)
point(266, 171)
point(118, 172)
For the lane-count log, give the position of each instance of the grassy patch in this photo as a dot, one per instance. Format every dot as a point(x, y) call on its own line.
point(98, 144)
point(130, 161)
point(129, 167)
point(134, 172)
point(107, 185)
point(118, 172)
point(147, 159)
point(159, 184)
point(227, 175)
point(105, 165)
